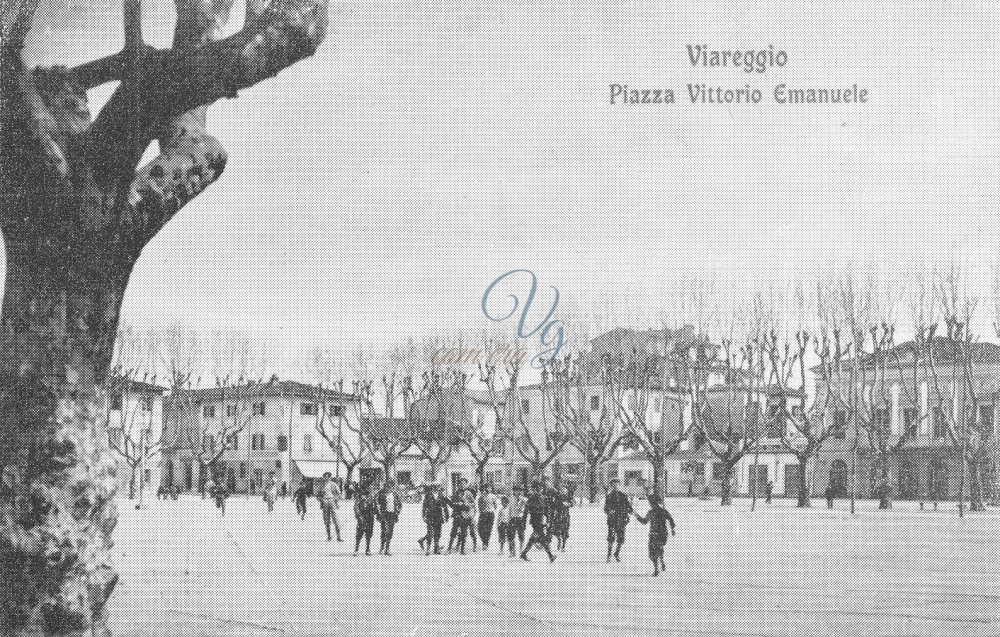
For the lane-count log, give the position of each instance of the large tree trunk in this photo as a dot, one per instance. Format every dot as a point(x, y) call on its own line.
point(56, 508)
point(592, 482)
point(805, 487)
point(885, 483)
point(727, 484)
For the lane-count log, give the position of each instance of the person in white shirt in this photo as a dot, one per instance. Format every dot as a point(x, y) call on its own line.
point(505, 526)
point(329, 501)
point(487, 505)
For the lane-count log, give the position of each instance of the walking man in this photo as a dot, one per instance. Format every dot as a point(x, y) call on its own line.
point(618, 509)
point(560, 524)
point(505, 526)
point(435, 514)
point(388, 507)
point(329, 502)
point(300, 496)
point(364, 513)
point(487, 513)
point(768, 491)
point(539, 517)
point(657, 518)
point(518, 516)
point(271, 492)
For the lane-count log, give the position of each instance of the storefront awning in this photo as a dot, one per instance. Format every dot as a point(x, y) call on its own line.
point(316, 468)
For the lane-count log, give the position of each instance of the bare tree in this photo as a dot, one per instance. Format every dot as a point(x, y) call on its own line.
point(595, 437)
point(77, 213)
point(336, 429)
point(437, 417)
point(130, 433)
point(541, 441)
point(487, 440)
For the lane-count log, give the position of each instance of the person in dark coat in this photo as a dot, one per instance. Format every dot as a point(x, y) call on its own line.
point(389, 505)
point(539, 516)
point(435, 514)
point(560, 518)
point(364, 513)
point(658, 518)
point(219, 494)
point(768, 491)
point(618, 509)
point(518, 515)
point(829, 497)
point(300, 495)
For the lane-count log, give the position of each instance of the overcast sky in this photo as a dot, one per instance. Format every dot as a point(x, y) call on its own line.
point(375, 190)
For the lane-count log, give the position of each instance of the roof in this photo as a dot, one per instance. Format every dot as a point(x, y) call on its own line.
point(121, 383)
point(384, 428)
point(271, 389)
point(943, 349)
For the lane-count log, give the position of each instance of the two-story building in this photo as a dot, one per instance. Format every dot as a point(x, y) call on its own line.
point(922, 402)
point(134, 424)
point(242, 434)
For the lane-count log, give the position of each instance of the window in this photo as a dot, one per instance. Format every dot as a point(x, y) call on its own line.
point(146, 404)
point(307, 443)
point(257, 442)
point(525, 406)
point(233, 441)
point(282, 443)
point(986, 419)
point(881, 420)
point(595, 402)
point(258, 409)
point(336, 411)
point(403, 478)
point(116, 402)
point(940, 426)
point(230, 411)
point(718, 470)
point(910, 419)
point(699, 470)
point(839, 424)
point(243, 471)
point(308, 409)
point(208, 411)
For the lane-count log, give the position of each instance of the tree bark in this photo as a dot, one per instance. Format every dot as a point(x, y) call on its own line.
point(56, 508)
point(804, 501)
point(975, 486)
point(727, 484)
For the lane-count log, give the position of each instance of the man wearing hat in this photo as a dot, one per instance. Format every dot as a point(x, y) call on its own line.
point(618, 509)
point(539, 516)
point(435, 514)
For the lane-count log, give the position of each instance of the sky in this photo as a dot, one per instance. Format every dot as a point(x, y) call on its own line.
point(375, 190)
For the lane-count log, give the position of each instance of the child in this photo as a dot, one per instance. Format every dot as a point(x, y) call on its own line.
point(657, 518)
point(561, 518)
point(364, 513)
point(505, 526)
point(300, 496)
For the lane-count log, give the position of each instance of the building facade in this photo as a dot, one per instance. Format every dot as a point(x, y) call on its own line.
point(135, 417)
point(242, 434)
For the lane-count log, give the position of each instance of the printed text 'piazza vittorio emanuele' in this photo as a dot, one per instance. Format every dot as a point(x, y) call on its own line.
point(751, 62)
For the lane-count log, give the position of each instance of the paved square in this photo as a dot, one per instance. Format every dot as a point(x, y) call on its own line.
point(777, 571)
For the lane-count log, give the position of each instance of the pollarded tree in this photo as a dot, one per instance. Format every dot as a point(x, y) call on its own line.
point(76, 211)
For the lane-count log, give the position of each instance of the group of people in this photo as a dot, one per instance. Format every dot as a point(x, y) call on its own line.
point(475, 513)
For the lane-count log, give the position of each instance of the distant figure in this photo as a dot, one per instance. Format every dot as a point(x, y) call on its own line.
point(271, 492)
point(161, 493)
point(618, 509)
point(657, 518)
point(364, 513)
point(768, 491)
point(329, 502)
point(518, 516)
point(539, 517)
point(487, 513)
point(284, 490)
point(207, 488)
point(829, 498)
point(388, 507)
point(463, 505)
point(300, 496)
point(435, 513)
point(219, 494)
point(505, 526)
point(560, 518)
point(176, 492)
